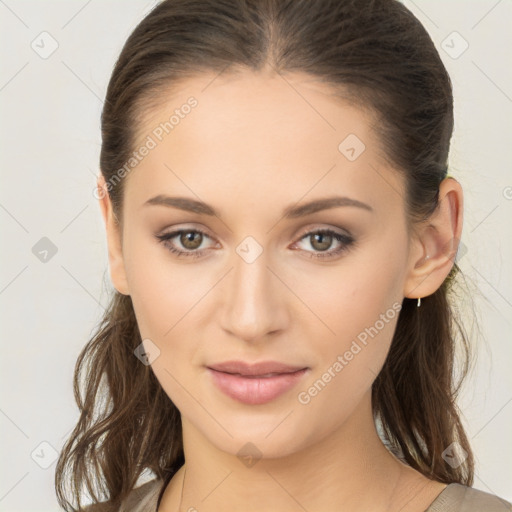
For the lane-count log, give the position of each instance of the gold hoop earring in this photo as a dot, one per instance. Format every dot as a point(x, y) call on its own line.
point(419, 302)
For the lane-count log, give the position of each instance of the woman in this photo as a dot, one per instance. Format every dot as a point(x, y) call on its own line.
point(282, 236)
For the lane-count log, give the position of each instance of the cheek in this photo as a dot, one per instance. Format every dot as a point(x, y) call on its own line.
point(348, 298)
point(163, 297)
point(359, 305)
point(347, 365)
point(162, 292)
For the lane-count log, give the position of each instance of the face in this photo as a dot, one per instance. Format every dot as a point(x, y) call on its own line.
point(264, 278)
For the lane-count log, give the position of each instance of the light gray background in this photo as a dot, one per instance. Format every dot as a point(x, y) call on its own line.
point(50, 143)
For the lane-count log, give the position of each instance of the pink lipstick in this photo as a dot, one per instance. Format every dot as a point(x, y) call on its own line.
point(255, 384)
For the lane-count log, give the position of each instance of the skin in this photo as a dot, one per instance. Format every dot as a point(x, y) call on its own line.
point(252, 147)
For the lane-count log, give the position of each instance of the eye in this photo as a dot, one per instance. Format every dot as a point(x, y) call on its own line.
point(189, 239)
point(321, 240)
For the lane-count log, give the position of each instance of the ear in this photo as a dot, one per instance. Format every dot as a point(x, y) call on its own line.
point(114, 239)
point(436, 242)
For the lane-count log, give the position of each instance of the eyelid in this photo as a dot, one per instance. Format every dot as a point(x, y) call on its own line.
point(322, 227)
point(187, 227)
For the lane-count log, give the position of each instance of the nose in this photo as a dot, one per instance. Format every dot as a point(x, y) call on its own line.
point(254, 304)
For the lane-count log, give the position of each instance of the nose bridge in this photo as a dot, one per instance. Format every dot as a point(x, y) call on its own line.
point(251, 306)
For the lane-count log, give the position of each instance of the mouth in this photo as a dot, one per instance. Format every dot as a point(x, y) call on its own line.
point(252, 386)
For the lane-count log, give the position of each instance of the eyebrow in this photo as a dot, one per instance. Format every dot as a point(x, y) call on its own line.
point(291, 212)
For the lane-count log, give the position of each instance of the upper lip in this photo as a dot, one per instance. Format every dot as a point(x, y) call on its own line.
point(261, 368)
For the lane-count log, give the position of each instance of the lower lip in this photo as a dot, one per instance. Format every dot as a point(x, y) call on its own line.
point(254, 390)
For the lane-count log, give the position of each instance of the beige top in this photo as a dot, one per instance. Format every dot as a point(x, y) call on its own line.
point(454, 498)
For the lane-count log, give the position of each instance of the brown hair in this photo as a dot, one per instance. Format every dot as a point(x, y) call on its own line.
point(379, 54)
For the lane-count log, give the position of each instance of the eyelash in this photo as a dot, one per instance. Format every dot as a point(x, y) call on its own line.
point(346, 241)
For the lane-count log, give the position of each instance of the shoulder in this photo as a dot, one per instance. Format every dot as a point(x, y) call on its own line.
point(461, 498)
point(141, 499)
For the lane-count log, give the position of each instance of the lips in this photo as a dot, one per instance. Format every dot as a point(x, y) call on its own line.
point(255, 384)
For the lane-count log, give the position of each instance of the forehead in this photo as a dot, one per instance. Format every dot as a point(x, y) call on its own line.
point(272, 137)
